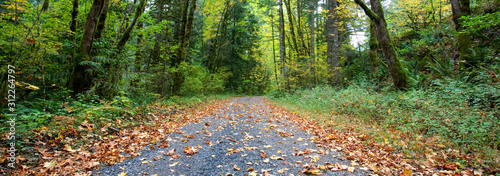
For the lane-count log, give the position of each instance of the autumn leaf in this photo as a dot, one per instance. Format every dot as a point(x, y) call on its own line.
point(190, 150)
point(122, 174)
point(174, 164)
point(170, 152)
point(263, 155)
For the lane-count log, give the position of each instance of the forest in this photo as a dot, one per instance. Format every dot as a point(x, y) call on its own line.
point(420, 77)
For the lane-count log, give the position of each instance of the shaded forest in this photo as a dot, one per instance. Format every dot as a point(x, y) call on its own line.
point(433, 63)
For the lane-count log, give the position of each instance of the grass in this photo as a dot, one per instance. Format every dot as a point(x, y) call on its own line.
point(415, 121)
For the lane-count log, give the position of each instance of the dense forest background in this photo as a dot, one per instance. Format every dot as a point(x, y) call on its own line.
point(433, 62)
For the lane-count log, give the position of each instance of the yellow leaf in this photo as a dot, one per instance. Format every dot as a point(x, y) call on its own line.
point(407, 172)
point(122, 174)
point(389, 111)
point(374, 169)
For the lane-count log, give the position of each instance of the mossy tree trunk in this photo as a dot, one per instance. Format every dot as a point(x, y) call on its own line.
point(462, 8)
point(376, 14)
point(184, 36)
point(81, 79)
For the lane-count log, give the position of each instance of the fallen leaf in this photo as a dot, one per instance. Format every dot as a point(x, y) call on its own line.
point(190, 150)
point(144, 162)
point(350, 169)
point(174, 164)
point(282, 170)
point(236, 167)
point(263, 155)
point(122, 174)
point(267, 146)
point(170, 152)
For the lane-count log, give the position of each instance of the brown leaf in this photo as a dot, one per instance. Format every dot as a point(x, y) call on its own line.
point(263, 155)
point(190, 150)
point(170, 152)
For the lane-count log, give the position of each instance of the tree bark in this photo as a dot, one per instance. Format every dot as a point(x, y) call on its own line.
point(159, 17)
point(74, 15)
point(184, 36)
point(102, 20)
point(332, 40)
point(274, 52)
point(126, 34)
point(281, 29)
point(376, 14)
point(299, 27)
point(462, 8)
point(292, 31)
point(81, 80)
point(118, 32)
point(312, 9)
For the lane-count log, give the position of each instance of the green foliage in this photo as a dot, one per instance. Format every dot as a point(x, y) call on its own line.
point(476, 23)
point(465, 115)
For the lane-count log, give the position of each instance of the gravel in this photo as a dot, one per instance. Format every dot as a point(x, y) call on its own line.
point(241, 131)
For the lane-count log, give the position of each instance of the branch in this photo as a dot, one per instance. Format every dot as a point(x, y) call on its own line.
point(368, 11)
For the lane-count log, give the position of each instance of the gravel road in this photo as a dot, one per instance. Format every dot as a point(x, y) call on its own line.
point(241, 138)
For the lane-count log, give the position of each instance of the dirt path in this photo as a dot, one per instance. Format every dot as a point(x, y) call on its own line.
point(241, 138)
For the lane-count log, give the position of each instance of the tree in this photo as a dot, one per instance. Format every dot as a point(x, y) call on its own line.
point(184, 36)
point(459, 9)
point(281, 29)
point(81, 80)
point(312, 9)
point(102, 20)
point(376, 14)
point(332, 40)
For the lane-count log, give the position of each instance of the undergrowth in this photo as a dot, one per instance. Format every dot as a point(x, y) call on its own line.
point(448, 114)
point(64, 115)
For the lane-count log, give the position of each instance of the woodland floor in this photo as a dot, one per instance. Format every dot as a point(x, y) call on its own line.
point(243, 137)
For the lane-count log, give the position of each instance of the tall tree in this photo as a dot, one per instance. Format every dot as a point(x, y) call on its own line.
point(126, 34)
point(332, 40)
point(376, 14)
point(459, 9)
point(184, 36)
point(312, 9)
point(102, 20)
point(81, 79)
point(292, 27)
point(281, 29)
point(74, 15)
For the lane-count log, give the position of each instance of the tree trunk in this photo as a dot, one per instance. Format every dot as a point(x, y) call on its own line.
point(81, 80)
point(102, 20)
point(312, 9)
point(156, 49)
point(282, 41)
point(184, 36)
point(126, 34)
point(118, 32)
point(292, 31)
point(376, 14)
point(462, 8)
point(299, 26)
point(74, 15)
point(332, 41)
point(374, 47)
point(274, 52)
point(138, 52)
